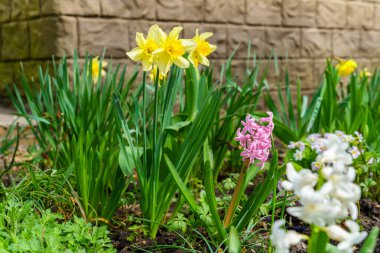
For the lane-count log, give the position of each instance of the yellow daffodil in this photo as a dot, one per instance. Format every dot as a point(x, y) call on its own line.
point(171, 50)
point(365, 73)
point(153, 74)
point(345, 68)
point(145, 48)
point(95, 66)
point(202, 49)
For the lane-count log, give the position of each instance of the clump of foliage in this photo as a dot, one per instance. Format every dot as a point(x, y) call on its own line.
point(23, 229)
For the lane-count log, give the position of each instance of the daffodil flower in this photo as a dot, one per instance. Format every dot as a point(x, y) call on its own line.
point(145, 48)
point(171, 50)
point(202, 49)
point(95, 67)
point(345, 68)
point(365, 73)
point(153, 74)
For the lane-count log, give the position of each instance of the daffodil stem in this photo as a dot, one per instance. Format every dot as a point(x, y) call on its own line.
point(155, 162)
point(145, 147)
point(238, 192)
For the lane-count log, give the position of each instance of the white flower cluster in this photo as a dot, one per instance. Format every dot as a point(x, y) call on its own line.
point(334, 199)
point(320, 143)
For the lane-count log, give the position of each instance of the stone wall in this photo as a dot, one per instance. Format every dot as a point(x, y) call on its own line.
point(302, 32)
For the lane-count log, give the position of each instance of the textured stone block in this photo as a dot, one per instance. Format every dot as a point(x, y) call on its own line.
point(300, 69)
point(238, 69)
point(219, 38)
point(299, 12)
point(96, 34)
point(135, 26)
point(316, 43)
point(22, 9)
point(129, 9)
point(285, 42)
point(6, 75)
point(319, 68)
point(331, 13)
point(31, 68)
point(190, 10)
point(223, 11)
point(241, 36)
point(271, 71)
point(5, 10)
point(360, 15)
point(75, 7)
point(377, 17)
point(53, 36)
point(15, 41)
point(346, 43)
point(266, 12)
point(369, 44)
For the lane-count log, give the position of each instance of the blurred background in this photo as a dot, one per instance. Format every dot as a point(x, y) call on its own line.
point(302, 33)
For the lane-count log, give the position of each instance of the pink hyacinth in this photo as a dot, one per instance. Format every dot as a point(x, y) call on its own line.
point(255, 138)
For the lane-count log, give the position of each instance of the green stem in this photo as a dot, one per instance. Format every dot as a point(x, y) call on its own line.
point(283, 205)
point(145, 163)
point(317, 241)
point(238, 192)
point(155, 162)
point(191, 93)
point(274, 196)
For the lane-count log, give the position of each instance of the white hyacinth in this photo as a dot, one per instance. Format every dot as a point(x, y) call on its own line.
point(298, 180)
point(282, 239)
point(317, 208)
point(346, 239)
point(330, 195)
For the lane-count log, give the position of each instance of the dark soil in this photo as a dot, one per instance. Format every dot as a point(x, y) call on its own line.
point(126, 240)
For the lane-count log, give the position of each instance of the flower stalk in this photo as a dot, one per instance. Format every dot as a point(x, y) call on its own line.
point(238, 192)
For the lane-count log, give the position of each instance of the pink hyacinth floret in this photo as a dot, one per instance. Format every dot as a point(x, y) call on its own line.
point(255, 138)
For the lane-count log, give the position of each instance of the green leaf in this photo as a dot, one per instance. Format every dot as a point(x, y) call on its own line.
point(126, 160)
point(317, 241)
point(186, 193)
point(177, 127)
point(370, 243)
point(234, 242)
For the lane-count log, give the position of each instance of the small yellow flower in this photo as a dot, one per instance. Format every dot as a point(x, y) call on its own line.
point(153, 74)
point(171, 50)
point(145, 48)
point(202, 49)
point(95, 65)
point(365, 73)
point(345, 68)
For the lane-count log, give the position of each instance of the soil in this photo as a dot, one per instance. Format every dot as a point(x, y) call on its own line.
point(126, 240)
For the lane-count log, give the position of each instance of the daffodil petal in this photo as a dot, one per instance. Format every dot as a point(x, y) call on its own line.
point(158, 51)
point(135, 54)
point(152, 32)
point(163, 62)
point(192, 57)
point(205, 36)
point(212, 48)
point(203, 60)
point(140, 40)
point(181, 62)
point(147, 64)
point(188, 45)
point(160, 36)
point(175, 32)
